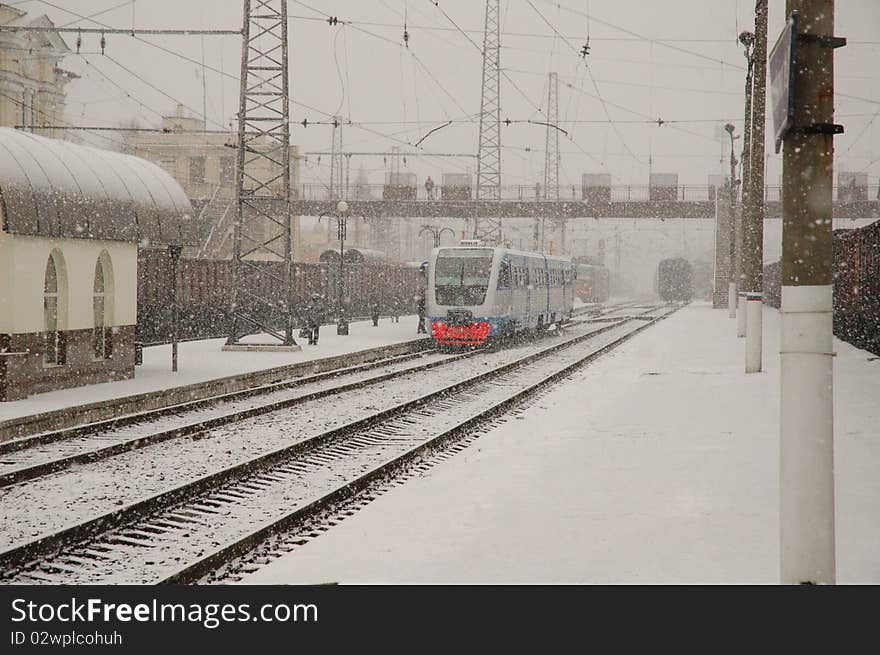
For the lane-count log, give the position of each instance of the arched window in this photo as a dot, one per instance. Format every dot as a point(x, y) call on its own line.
point(53, 350)
point(102, 306)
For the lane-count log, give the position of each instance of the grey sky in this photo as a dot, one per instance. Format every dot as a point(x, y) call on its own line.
point(373, 79)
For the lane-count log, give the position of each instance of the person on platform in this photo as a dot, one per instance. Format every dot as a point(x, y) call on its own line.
point(314, 317)
point(374, 310)
point(420, 308)
point(429, 188)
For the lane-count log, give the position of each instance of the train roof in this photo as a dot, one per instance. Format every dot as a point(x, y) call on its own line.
point(509, 251)
point(356, 255)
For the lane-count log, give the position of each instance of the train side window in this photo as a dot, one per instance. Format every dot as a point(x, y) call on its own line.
point(504, 276)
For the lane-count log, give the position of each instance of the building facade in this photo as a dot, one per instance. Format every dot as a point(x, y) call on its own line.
point(32, 81)
point(72, 219)
point(204, 163)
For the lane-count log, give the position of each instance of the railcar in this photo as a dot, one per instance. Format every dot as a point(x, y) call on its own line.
point(476, 294)
point(353, 256)
point(593, 282)
point(675, 280)
point(204, 286)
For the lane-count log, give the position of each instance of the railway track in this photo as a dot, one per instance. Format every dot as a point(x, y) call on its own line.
point(42, 454)
point(193, 528)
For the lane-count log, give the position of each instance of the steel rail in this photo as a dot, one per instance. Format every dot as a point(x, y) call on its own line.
point(45, 438)
point(22, 554)
point(330, 503)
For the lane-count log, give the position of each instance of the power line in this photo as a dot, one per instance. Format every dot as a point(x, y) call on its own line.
point(664, 43)
point(592, 79)
point(237, 79)
point(116, 30)
point(435, 28)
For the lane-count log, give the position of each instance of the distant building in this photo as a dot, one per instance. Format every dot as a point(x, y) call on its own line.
point(32, 82)
point(205, 165)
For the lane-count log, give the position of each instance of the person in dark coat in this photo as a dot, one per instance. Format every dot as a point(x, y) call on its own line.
point(314, 317)
point(420, 309)
point(374, 310)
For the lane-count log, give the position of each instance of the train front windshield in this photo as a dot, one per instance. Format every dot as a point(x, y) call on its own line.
point(461, 277)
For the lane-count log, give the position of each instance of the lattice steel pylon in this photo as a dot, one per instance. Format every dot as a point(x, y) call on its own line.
point(489, 155)
point(262, 278)
point(337, 188)
point(551, 157)
point(551, 154)
point(551, 148)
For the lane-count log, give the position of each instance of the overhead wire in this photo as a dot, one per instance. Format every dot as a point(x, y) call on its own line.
point(592, 79)
point(665, 42)
point(231, 76)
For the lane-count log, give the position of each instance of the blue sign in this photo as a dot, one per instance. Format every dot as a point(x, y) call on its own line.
point(782, 68)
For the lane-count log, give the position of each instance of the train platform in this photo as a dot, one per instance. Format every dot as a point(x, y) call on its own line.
point(204, 369)
point(656, 464)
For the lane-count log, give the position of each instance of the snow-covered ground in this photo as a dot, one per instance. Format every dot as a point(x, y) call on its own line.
point(199, 361)
point(656, 464)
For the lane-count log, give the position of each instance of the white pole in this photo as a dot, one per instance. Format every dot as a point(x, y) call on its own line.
point(806, 475)
point(731, 297)
point(741, 314)
point(754, 320)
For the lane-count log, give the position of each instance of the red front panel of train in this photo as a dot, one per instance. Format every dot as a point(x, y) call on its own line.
point(471, 334)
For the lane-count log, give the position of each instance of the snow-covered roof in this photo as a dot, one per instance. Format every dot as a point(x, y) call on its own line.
point(56, 188)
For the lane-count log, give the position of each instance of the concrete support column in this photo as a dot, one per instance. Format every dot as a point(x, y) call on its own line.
point(754, 324)
point(806, 508)
point(720, 288)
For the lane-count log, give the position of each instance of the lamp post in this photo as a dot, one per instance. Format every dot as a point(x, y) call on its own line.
point(174, 251)
point(731, 286)
point(437, 232)
point(341, 219)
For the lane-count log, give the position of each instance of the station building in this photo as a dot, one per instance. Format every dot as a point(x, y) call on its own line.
point(71, 221)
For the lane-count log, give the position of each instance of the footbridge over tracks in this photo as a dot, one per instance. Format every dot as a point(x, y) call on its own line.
point(467, 209)
point(562, 202)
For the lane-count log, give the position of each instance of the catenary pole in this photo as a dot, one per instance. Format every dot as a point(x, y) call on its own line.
point(732, 269)
point(753, 200)
point(748, 41)
point(806, 400)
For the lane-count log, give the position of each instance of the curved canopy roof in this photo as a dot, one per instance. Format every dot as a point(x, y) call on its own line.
point(55, 188)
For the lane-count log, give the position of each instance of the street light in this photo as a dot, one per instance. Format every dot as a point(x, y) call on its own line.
point(437, 232)
point(341, 219)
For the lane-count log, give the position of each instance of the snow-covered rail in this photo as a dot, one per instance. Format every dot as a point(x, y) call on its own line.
point(219, 516)
point(49, 452)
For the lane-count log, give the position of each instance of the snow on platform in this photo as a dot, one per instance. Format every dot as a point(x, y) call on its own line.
point(656, 464)
point(199, 361)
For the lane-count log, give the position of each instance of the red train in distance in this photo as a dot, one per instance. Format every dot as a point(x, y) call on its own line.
point(593, 281)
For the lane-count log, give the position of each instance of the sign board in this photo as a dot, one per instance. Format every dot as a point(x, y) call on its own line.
point(663, 179)
point(782, 68)
point(596, 180)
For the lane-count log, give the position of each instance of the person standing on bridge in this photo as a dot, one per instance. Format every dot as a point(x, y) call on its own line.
point(429, 188)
